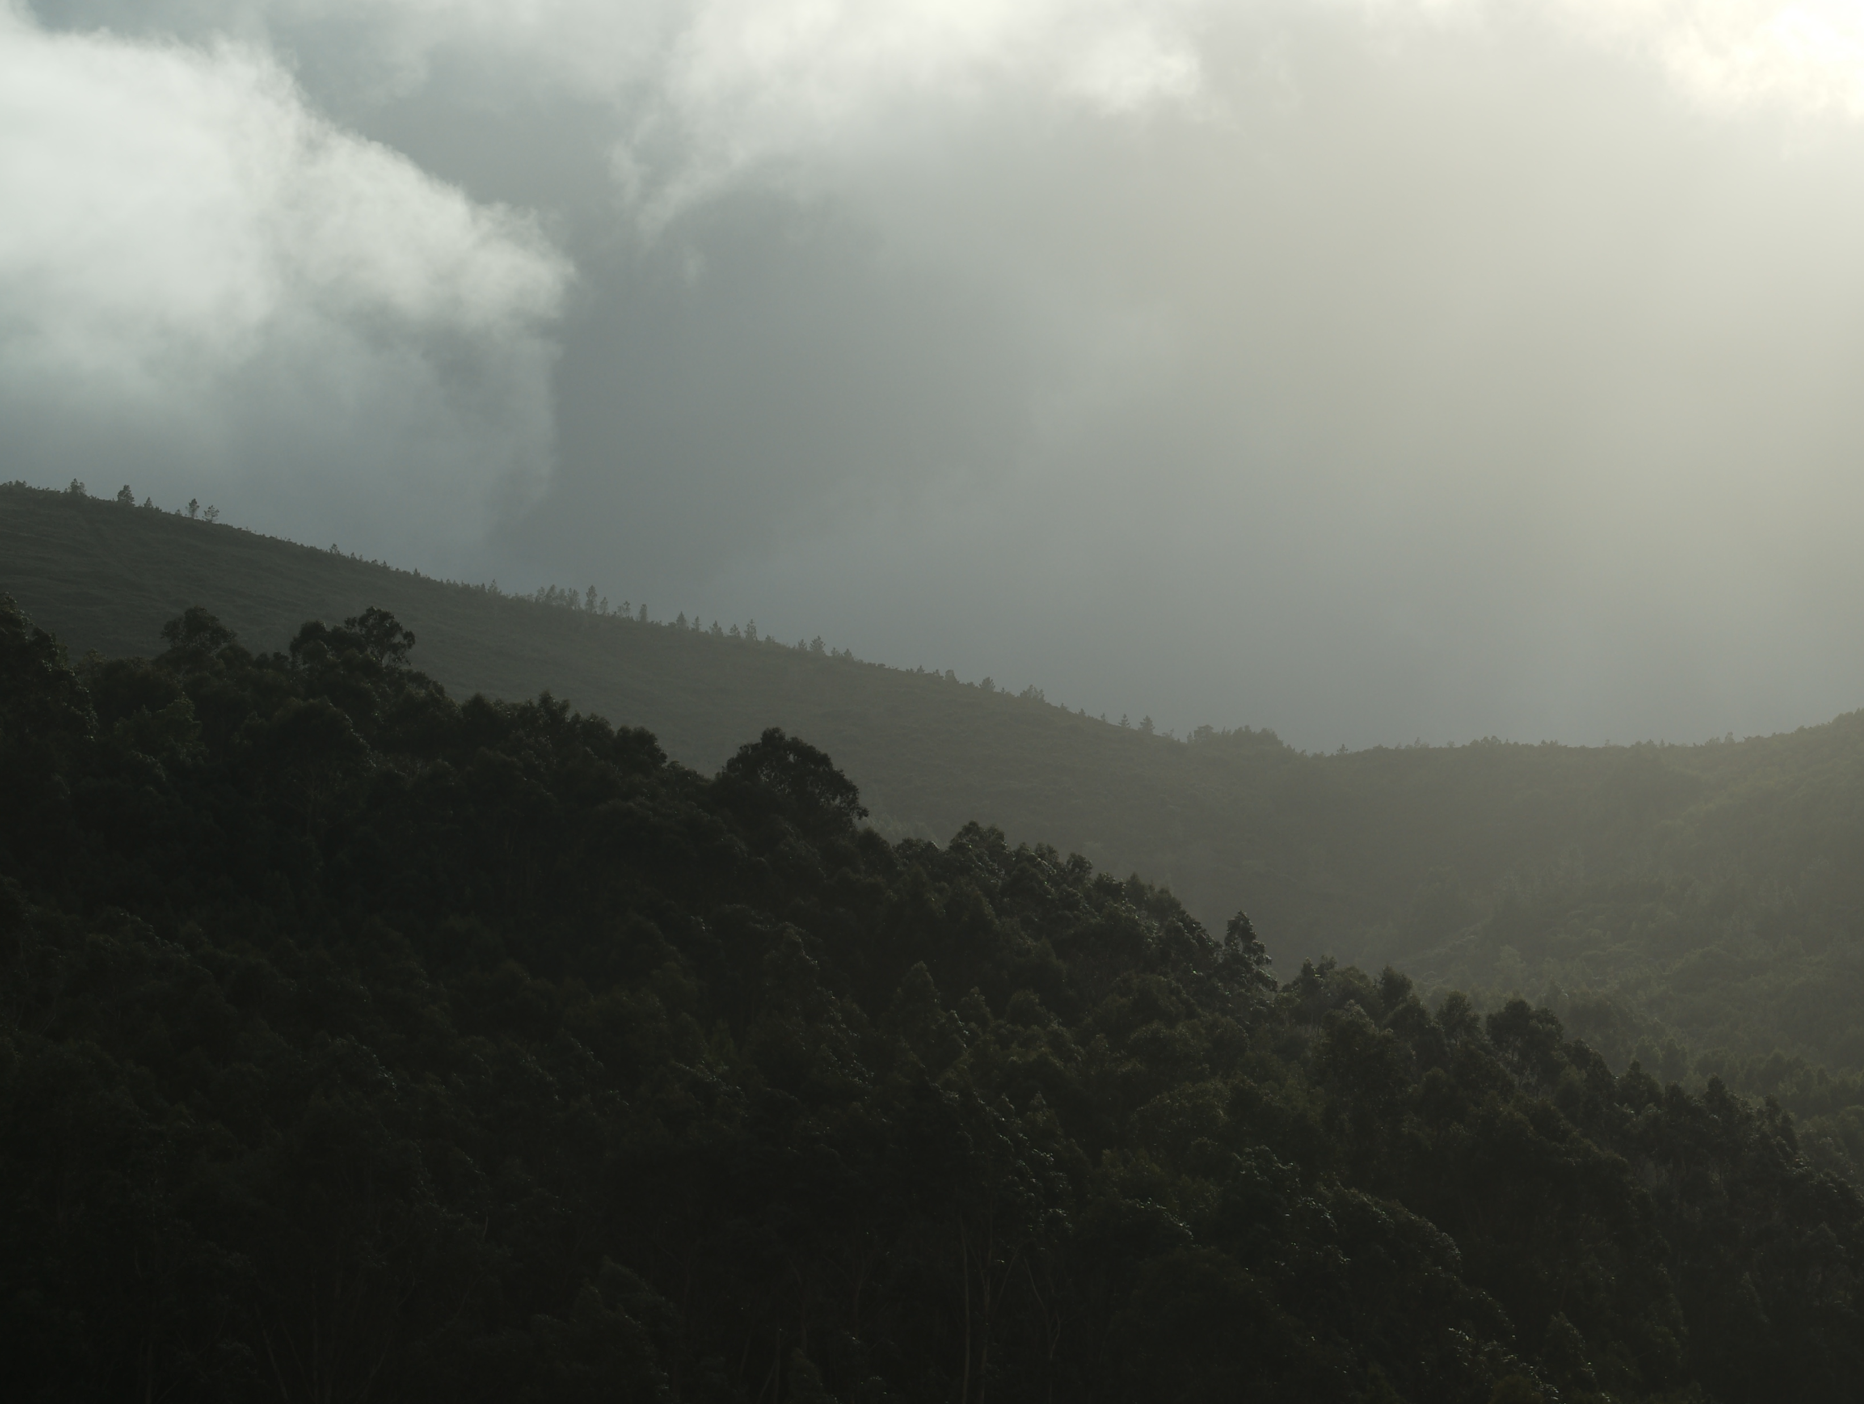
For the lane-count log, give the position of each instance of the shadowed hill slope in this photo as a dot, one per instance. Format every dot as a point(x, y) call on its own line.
point(1670, 898)
point(357, 1042)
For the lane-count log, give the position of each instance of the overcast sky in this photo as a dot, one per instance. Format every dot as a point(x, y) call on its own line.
point(1370, 371)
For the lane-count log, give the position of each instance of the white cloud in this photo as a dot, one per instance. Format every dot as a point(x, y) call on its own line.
point(748, 84)
point(706, 94)
point(1737, 55)
point(703, 91)
point(183, 233)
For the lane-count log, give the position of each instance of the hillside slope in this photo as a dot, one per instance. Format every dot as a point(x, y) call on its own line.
point(359, 1043)
point(1675, 898)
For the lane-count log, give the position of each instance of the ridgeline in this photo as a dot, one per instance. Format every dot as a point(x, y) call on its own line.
point(1700, 907)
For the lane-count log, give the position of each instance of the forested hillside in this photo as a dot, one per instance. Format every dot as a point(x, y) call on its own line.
point(1703, 904)
point(357, 1042)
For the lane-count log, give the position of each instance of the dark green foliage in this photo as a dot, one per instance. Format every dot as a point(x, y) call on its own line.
point(782, 778)
point(356, 1043)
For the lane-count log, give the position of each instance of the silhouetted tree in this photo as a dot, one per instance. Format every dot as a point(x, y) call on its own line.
point(382, 635)
point(780, 765)
point(1244, 951)
point(195, 635)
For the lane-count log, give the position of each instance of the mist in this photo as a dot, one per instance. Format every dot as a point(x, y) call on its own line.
point(1370, 372)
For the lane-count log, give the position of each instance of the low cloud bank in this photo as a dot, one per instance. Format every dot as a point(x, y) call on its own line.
point(1368, 370)
point(206, 287)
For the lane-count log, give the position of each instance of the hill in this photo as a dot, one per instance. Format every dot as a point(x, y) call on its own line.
point(356, 1042)
point(1699, 906)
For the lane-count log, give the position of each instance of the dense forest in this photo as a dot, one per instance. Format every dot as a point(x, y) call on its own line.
point(357, 1042)
point(1700, 908)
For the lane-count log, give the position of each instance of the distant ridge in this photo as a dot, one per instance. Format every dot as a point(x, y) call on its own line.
point(1695, 896)
point(929, 754)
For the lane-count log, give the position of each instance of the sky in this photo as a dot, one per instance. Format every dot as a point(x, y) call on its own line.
point(1370, 370)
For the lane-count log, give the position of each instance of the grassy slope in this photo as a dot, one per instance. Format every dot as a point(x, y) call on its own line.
point(1703, 883)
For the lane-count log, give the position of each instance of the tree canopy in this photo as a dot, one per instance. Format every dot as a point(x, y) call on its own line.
point(357, 1042)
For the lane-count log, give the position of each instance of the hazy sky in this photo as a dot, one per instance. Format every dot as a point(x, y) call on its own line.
point(1370, 371)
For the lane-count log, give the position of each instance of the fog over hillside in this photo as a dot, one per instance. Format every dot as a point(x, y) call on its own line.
point(1409, 368)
